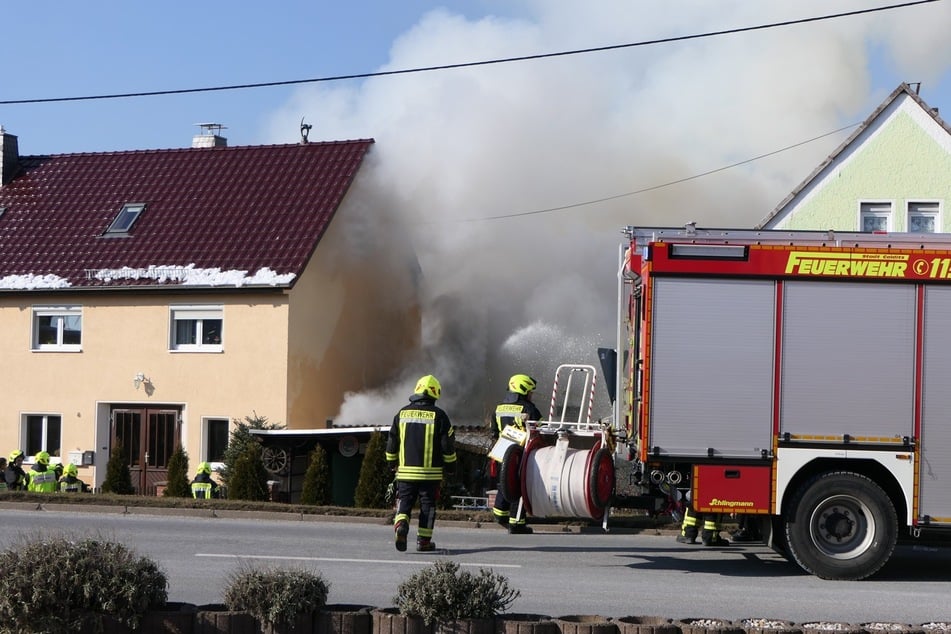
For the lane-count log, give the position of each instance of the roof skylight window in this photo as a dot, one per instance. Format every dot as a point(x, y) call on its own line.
point(126, 218)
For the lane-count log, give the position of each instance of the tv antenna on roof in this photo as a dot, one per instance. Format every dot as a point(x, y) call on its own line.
point(304, 131)
point(211, 128)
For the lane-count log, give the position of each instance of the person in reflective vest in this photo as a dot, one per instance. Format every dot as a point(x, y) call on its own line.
point(516, 407)
point(14, 475)
point(419, 448)
point(42, 477)
point(203, 487)
point(70, 482)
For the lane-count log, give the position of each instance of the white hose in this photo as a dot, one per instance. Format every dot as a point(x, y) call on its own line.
point(556, 481)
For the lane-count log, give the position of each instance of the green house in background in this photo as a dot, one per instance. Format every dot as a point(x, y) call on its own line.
point(893, 174)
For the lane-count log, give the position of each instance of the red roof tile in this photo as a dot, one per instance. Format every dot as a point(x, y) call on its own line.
point(254, 209)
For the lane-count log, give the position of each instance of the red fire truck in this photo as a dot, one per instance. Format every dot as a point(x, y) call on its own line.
point(799, 377)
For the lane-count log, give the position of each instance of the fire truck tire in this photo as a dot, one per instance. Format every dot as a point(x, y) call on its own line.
point(601, 478)
point(777, 537)
point(842, 526)
point(510, 482)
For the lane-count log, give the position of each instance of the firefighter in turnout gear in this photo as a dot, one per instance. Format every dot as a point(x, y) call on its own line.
point(515, 409)
point(42, 477)
point(706, 525)
point(70, 482)
point(203, 487)
point(14, 475)
point(419, 447)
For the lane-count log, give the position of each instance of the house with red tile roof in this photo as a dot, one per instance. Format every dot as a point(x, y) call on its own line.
point(153, 297)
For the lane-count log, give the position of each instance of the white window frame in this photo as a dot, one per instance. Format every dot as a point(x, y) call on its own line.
point(206, 445)
point(924, 209)
point(44, 440)
point(199, 314)
point(59, 315)
point(876, 209)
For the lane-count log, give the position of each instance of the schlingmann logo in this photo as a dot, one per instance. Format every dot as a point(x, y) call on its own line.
point(719, 502)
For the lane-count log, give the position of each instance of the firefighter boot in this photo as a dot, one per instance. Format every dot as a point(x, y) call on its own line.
point(402, 530)
point(519, 529)
point(712, 538)
point(425, 545)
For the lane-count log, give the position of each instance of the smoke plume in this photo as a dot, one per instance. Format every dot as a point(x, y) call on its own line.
point(492, 169)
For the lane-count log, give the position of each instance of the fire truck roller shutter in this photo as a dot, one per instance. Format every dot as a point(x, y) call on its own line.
point(712, 366)
point(934, 464)
point(848, 364)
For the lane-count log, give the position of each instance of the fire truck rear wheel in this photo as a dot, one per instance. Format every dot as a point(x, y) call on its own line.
point(844, 526)
point(510, 482)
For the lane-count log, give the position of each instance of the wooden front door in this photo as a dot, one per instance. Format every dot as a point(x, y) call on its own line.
point(148, 438)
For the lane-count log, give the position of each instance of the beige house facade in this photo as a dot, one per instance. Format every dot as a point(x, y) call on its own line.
point(164, 332)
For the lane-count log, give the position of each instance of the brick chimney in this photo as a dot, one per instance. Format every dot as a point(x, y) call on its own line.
point(9, 157)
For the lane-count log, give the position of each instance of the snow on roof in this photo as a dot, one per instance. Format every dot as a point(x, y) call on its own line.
point(30, 282)
point(248, 216)
point(189, 275)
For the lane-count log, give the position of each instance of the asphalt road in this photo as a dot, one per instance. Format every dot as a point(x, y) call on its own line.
point(612, 574)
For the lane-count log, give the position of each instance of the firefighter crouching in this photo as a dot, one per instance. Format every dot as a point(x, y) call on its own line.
point(203, 486)
point(419, 447)
point(516, 407)
point(70, 482)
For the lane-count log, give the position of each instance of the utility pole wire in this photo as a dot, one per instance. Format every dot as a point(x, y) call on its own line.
point(523, 58)
point(655, 187)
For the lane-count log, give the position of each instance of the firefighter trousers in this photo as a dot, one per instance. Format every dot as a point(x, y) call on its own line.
point(503, 511)
point(704, 525)
point(427, 492)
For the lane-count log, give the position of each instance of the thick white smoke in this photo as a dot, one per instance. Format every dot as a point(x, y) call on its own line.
point(460, 154)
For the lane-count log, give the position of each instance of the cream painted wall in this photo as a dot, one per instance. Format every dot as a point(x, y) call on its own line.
point(124, 334)
point(354, 318)
point(907, 160)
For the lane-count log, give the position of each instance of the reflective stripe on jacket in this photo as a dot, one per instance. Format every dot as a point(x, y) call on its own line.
point(201, 490)
point(42, 481)
point(421, 440)
point(510, 411)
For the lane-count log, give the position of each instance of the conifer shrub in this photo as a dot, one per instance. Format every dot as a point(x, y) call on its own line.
point(375, 475)
point(239, 441)
point(178, 485)
point(275, 596)
point(443, 593)
point(118, 476)
point(58, 584)
point(316, 488)
point(248, 479)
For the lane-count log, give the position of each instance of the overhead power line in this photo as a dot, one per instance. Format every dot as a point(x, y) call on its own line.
point(658, 186)
point(523, 58)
